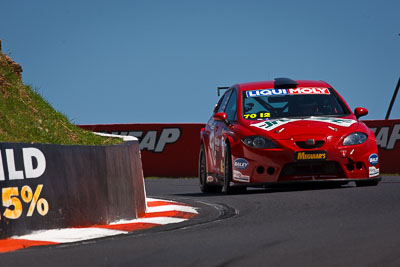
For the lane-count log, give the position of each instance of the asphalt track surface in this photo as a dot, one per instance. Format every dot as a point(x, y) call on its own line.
point(313, 226)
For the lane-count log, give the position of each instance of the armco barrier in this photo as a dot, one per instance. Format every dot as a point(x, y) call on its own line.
point(172, 150)
point(387, 134)
point(168, 150)
point(52, 186)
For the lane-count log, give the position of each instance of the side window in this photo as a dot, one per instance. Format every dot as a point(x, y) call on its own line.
point(222, 103)
point(231, 107)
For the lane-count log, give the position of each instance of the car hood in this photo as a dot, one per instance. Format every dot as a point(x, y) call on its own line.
point(302, 128)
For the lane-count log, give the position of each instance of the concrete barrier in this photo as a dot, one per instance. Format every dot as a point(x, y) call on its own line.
point(47, 186)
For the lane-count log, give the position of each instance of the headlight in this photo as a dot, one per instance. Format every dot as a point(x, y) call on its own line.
point(258, 142)
point(355, 139)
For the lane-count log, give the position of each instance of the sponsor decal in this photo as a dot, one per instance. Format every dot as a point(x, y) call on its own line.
point(238, 176)
point(293, 91)
point(272, 124)
point(153, 140)
point(223, 143)
point(385, 138)
point(373, 171)
point(14, 198)
point(240, 164)
point(336, 121)
point(373, 159)
point(310, 155)
point(210, 179)
point(211, 143)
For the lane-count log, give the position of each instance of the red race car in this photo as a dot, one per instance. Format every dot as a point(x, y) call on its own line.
point(285, 131)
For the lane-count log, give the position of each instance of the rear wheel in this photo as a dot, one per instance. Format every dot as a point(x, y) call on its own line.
point(204, 187)
point(228, 174)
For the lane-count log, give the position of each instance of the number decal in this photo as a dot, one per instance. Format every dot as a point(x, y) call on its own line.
point(260, 115)
point(265, 115)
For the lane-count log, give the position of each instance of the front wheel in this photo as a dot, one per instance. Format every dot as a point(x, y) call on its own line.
point(228, 189)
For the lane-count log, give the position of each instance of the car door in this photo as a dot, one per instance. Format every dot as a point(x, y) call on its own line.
point(216, 132)
point(230, 110)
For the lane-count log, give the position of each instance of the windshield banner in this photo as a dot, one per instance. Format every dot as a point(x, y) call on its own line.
point(293, 91)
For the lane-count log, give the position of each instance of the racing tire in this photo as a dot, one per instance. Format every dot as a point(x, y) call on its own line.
point(228, 189)
point(204, 187)
point(367, 183)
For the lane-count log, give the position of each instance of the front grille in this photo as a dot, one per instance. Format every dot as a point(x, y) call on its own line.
point(304, 145)
point(312, 170)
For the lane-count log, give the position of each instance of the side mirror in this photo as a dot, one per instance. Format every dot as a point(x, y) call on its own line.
point(359, 112)
point(220, 116)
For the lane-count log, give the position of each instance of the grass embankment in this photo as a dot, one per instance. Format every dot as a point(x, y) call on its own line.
point(27, 118)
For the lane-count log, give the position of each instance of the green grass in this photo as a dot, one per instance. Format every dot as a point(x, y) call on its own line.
point(25, 117)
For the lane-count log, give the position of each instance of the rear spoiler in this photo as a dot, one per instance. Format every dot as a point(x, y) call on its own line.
point(219, 88)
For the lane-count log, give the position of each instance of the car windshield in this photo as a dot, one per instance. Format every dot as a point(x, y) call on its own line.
point(288, 103)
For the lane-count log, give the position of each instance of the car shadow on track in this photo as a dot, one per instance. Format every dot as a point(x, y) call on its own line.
point(274, 189)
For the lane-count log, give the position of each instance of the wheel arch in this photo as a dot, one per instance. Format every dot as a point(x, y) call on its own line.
point(228, 140)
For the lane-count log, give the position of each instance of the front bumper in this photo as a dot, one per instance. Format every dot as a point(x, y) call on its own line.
point(281, 165)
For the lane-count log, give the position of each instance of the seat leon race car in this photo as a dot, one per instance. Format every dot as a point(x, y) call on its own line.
point(285, 131)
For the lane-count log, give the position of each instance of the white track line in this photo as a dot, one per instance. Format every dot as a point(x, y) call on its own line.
point(155, 220)
point(171, 208)
point(69, 235)
point(149, 199)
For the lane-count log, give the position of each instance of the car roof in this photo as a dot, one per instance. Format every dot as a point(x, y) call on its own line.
point(270, 84)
